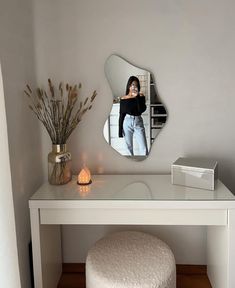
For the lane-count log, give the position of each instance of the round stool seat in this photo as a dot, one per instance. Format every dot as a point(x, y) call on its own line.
point(130, 259)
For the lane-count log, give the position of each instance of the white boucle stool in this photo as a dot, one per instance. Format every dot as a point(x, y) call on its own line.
point(130, 259)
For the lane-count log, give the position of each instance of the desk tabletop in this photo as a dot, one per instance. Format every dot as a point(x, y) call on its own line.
point(131, 187)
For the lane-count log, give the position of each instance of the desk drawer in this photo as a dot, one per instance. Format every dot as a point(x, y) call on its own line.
point(134, 216)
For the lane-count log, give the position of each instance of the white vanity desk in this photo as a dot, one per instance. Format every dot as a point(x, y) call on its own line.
point(132, 199)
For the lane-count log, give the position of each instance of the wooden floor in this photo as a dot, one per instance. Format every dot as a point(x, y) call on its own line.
point(188, 276)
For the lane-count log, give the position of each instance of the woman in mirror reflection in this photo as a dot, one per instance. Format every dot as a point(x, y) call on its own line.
point(132, 105)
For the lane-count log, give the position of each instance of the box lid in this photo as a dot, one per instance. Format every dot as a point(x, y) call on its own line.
point(196, 164)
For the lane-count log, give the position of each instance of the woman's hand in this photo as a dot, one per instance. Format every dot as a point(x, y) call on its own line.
point(134, 93)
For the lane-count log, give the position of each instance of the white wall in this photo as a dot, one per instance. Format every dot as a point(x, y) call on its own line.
point(189, 47)
point(17, 59)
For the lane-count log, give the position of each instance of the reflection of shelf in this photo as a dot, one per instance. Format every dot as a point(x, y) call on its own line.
point(157, 125)
point(158, 115)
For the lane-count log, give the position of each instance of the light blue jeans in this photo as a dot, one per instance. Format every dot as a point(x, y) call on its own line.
point(134, 126)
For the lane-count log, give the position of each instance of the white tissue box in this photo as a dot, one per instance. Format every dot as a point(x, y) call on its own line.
point(193, 172)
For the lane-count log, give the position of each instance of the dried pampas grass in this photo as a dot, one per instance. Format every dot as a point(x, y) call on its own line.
point(59, 110)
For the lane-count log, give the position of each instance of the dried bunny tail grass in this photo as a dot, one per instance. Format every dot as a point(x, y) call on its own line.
point(93, 96)
point(84, 103)
point(59, 112)
point(40, 94)
point(51, 88)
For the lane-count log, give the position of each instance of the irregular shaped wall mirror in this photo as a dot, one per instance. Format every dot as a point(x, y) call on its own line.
point(137, 115)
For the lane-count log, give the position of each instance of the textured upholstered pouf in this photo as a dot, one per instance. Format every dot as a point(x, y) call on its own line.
point(130, 259)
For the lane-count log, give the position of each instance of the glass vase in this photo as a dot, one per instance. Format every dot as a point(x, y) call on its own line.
point(59, 165)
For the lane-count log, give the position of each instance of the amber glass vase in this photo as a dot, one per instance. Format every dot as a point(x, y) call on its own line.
point(59, 165)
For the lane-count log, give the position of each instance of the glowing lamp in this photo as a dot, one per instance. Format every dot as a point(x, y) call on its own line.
point(84, 177)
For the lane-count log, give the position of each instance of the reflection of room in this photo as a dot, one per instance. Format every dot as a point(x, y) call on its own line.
point(117, 71)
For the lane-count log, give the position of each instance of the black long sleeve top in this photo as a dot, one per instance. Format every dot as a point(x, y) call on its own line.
point(132, 106)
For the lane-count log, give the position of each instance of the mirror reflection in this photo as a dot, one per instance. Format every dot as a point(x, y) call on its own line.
point(137, 115)
point(136, 190)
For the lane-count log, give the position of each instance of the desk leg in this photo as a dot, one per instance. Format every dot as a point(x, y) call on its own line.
point(231, 248)
point(217, 256)
point(47, 259)
point(221, 253)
